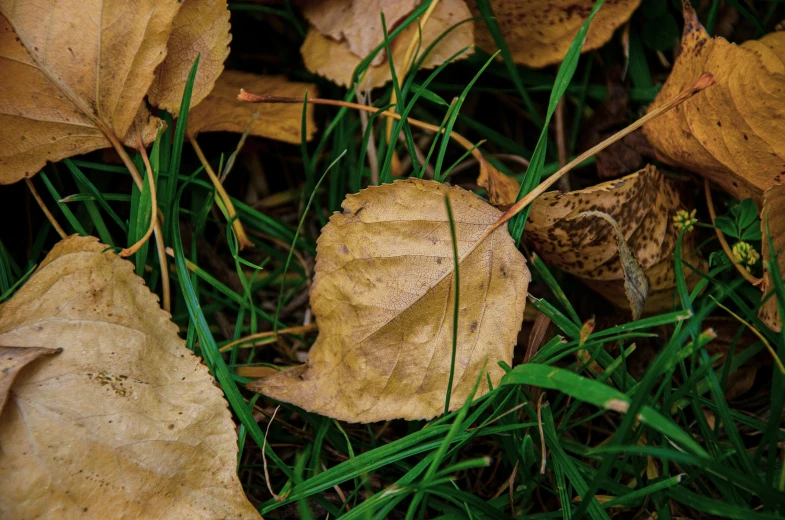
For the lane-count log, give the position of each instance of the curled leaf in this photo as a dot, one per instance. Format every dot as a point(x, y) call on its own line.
point(201, 28)
point(734, 133)
point(74, 78)
point(539, 32)
point(222, 112)
point(774, 213)
point(643, 204)
point(502, 189)
point(125, 422)
point(12, 361)
point(335, 59)
point(636, 286)
point(383, 299)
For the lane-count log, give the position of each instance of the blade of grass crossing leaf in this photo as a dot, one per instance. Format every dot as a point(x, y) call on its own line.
point(456, 302)
point(563, 78)
point(177, 148)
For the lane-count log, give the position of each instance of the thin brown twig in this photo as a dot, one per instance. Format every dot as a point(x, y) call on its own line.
point(300, 329)
point(264, 457)
point(154, 206)
point(705, 81)
point(159, 237)
point(49, 216)
point(239, 231)
point(256, 98)
point(721, 236)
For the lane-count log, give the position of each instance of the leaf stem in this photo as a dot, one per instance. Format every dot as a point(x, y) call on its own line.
point(242, 239)
point(51, 218)
point(153, 209)
point(159, 237)
point(256, 98)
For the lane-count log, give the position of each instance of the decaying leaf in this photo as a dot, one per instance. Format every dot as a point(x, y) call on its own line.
point(502, 189)
point(74, 77)
point(12, 361)
point(222, 112)
point(734, 133)
point(636, 286)
point(774, 212)
point(125, 422)
point(356, 22)
point(201, 28)
point(643, 204)
point(539, 32)
point(383, 299)
point(335, 59)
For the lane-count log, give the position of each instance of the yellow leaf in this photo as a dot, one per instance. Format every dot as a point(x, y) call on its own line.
point(643, 204)
point(222, 112)
point(12, 361)
point(774, 213)
point(125, 422)
point(335, 60)
point(383, 297)
point(539, 32)
point(502, 189)
point(74, 77)
point(734, 133)
point(201, 28)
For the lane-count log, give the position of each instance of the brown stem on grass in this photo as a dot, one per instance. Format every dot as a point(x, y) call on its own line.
point(159, 237)
point(51, 218)
point(705, 81)
point(239, 231)
point(301, 329)
point(255, 98)
point(154, 208)
point(721, 236)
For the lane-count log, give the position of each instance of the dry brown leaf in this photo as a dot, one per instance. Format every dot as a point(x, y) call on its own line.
point(336, 61)
point(222, 112)
point(774, 212)
point(383, 299)
point(357, 22)
point(74, 77)
point(502, 189)
point(734, 133)
point(539, 32)
point(201, 28)
point(643, 204)
point(12, 361)
point(125, 422)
